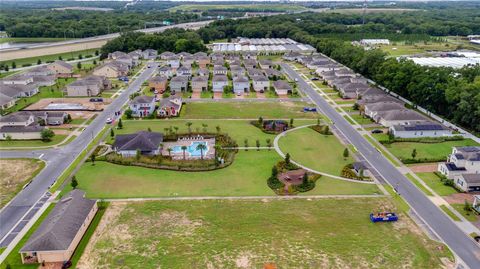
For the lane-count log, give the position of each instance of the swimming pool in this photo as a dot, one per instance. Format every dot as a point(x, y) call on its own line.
point(192, 149)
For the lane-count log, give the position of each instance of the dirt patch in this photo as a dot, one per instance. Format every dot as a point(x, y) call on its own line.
point(85, 102)
point(13, 175)
point(261, 95)
point(196, 95)
point(424, 168)
point(217, 95)
point(459, 198)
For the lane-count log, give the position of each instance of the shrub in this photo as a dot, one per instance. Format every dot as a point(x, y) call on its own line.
point(47, 135)
point(322, 129)
point(307, 184)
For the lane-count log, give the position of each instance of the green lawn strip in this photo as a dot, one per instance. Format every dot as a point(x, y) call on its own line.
point(54, 91)
point(13, 258)
point(76, 162)
point(437, 151)
point(88, 234)
point(419, 185)
point(45, 58)
point(434, 182)
point(8, 196)
point(77, 121)
point(9, 73)
point(399, 202)
point(343, 102)
point(361, 120)
point(384, 153)
point(32, 39)
point(469, 215)
point(206, 94)
point(31, 143)
point(199, 234)
point(248, 110)
point(323, 153)
point(450, 213)
point(349, 119)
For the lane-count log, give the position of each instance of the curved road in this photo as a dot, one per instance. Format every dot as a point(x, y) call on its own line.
point(58, 160)
point(460, 243)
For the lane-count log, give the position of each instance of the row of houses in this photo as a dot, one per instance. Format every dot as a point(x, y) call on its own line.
point(27, 84)
point(373, 102)
point(27, 125)
point(463, 167)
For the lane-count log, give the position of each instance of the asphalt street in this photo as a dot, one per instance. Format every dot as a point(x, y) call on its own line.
point(58, 160)
point(459, 242)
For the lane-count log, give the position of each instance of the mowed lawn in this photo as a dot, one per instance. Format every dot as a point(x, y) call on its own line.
point(247, 110)
point(237, 129)
point(323, 153)
point(434, 182)
point(437, 151)
point(246, 176)
point(325, 233)
point(32, 143)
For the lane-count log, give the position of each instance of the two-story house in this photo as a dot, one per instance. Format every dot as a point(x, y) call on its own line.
point(199, 84)
point(260, 83)
point(463, 166)
point(178, 84)
point(219, 82)
point(142, 106)
point(158, 83)
point(241, 84)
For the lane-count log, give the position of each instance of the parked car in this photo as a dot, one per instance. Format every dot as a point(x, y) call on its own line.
point(109, 121)
point(96, 99)
point(125, 79)
point(315, 78)
point(377, 131)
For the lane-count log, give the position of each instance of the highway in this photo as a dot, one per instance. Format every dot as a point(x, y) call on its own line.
point(460, 243)
point(58, 160)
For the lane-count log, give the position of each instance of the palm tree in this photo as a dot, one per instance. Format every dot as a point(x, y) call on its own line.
point(176, 129)
point(184, 148)
point(201, 147)
point(218, 129)
point(189, 125)
point(169, 152)
point(217, 148)
point(204, 127)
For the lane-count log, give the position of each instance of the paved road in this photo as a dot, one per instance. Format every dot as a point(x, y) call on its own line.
point(58, 160)
point(460, 243)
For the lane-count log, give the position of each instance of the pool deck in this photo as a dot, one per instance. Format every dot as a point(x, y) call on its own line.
point(210, 154)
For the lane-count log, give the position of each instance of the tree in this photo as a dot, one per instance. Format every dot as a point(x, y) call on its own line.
point(257, 142)
point(184, 148)
point(467, 206)
point(169, 152)
point(189, 126)
point(287, 158)
point(218, 129)
point(79, 65)
point(414, 153)
point(138, 154)
point(14, 65)
point(291, 123)
point(94, 62)
point(80, 56)
point(39, 61)
point(176, 129)
point(92, 158)
point(345, 153)
point(120, 124)
point(60, 58)
point(149, 129)
point(74, 182)
point(273, 182)
point(6, 68)
point(201, 147)
point(47, 134)
point(204, 127)
point(245, 143)
point(97, 52)
point(260, 121)
point(269, 143)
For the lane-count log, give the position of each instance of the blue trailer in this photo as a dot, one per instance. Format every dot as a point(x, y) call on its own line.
point(383, 217)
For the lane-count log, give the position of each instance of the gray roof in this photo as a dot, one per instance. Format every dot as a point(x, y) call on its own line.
point(16, 117)
point(158, 79)
point(179, 79)
point(282, 84)
point(90, 80)
point(32, 128)
point(143, 141)
point(200, 79)
point(470, 153)
point(219, 68)
point(472, 178)
point(61, 226)
point(219, 78)
point(64, 64)
point(4, 99)
point(384, 106)
point(14, 90)
point(377, 98)
point(241, 79)
point(259, 78)
point(184, 69)
point(404, 114)
point(143, 99)
point(372, 91)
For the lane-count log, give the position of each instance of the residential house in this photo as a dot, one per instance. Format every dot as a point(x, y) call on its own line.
point(420, 129)
point(468, 182)
point(142, 106)
point(265, 64)
point(61, 69)
point(370, 92)
point(250, 63)
point(200, 84)
point(273, 73)
point(291, 56)
point(170, 107)
point(476, 203)
point(17, 119)
point(260, 83)
point(250, 56)
point(398, 117)
point(188, 61)
point(216, 56)
point(220, 70)
point(173, 61)
point(89, 86)
point(462, 160)
point(30, 132)
point(43, 70)
point(282, 88)
point(184, 71)
point(116, 54)
point(166, 71)
point(254, 72)
point(184, 55)
point(371, 110)
point(18, 79)
point(158, 83)
point(232, 58)
point(136, 56)
point(62, 230)
point(218, 62)
point(112, 69)
point(178, 84)
point(127, 60)
point(43, 80)
point(166, 55)
point(6, 102)
point(219, 82)
point(376, 98)
point(200, 54)
point(237, 71)
point(150, 54)
point(147, 143)
point(241, 85)
point(203, 72)
point(350, 90)
point(202, 61)
point(18, 90)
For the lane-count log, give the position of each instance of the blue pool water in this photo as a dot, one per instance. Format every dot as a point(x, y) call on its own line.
point(192, 149)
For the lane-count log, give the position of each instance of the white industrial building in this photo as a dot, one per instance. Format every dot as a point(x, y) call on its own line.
point(262, 46)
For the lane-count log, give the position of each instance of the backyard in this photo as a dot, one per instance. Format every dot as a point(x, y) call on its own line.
point(251, 234)
point(246, 110)
point(246, 176)
point(323, 153)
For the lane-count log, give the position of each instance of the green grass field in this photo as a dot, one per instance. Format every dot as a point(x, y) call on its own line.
point(31, 39)
point(246, 176)
point(437, 151)
point(249, 234)
point(32, 143)
point(52, 57)
point(399, 49)
point(323, 153)
point(246, 110)
point(469, 215)
point(433, 181)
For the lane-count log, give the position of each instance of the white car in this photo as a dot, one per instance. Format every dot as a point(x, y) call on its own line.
point(109, 120)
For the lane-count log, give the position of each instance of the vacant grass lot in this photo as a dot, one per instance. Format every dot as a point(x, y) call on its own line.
point(45, 58)
point(437, 151)
point(14, 174)
point(323, 153)
point(32, 143)
point(249, 234)
point(403, 49)
point(246, 176)
point(246, 110)
point(434, 182)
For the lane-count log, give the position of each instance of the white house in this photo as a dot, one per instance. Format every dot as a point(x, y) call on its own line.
point(282, 88)
point(420, 129)
point(462, 160)
point(260, 83)
point(468, 182)
point(219, 82)
point(241, 84)
point(142, 106)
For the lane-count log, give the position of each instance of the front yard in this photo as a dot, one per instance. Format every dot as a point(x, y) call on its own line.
point(325, 233)
point(32, 143)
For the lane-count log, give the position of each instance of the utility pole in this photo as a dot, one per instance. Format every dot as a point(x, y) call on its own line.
point(364, 11)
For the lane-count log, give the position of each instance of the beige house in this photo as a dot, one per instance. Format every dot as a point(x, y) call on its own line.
point(199, 84)
point(112, 69)
point(60, 233)
point(282, 88)
point(61, 68)
point(158, 83)
point(88, 86)
point(203, 61)
point(6, 101)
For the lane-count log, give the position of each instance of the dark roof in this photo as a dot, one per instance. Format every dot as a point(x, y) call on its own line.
point(240, 79)
point(200, 79)
point(33, 128)
point(158, 79)
point(179, 79)
point(64, 64)
point(61, 226)
point(144, 141)
point(281, 84)
point(471, 178)
point(219, 78)
point(15, 117)
point(143, 99)
point(420, 126)
point(453, 167)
